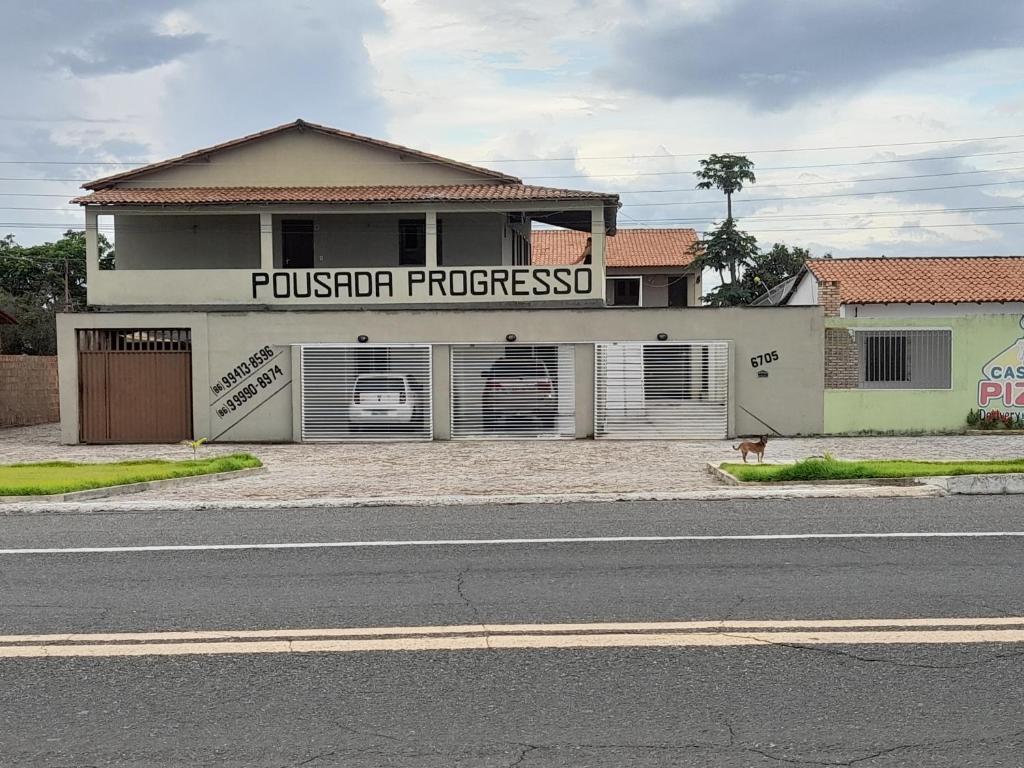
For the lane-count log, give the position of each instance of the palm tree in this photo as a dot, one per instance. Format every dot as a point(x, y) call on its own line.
point(727, 173)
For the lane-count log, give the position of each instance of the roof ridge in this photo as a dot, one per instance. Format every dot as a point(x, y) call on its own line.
point(840, 259)
point(298, 124)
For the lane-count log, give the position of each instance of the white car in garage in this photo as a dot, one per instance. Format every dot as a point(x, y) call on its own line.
point(385, 402)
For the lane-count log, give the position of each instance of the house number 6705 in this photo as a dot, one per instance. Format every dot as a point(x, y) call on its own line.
point(763, 359)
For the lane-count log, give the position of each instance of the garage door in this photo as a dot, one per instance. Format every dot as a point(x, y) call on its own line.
point(513, 391)
point(366, 392)
point(135, 385)
point(661, 391)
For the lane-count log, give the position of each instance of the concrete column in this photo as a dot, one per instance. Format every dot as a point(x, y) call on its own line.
point(584, 354)
point(92, 248)
point(431, 230)
point(441, 406)
point(266, 242)
point(296, 357)
point(597, 251)
point(67, 376)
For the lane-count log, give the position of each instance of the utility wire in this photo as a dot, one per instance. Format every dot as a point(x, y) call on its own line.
point(442, 161)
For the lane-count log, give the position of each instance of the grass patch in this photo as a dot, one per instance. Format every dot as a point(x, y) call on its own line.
point(65, 476)
point(835, 469)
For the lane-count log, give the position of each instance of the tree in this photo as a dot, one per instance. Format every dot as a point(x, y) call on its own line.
point(38, 281)
point(726, 248)
point(727, 173)
point(769, 268)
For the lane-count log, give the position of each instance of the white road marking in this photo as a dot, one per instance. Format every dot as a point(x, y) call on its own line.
point(1000, 629)
point(498, 542)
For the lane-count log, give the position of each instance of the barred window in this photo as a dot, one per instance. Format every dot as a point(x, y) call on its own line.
point(904, 359)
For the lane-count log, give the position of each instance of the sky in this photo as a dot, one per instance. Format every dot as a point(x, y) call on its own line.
point(877, 127)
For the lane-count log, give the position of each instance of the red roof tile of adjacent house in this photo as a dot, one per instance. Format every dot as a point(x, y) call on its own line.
point(371, 194)
point(628, 248)
point(924, 280)
point(299, 125)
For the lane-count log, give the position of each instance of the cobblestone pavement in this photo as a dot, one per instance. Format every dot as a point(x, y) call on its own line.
point(470, 468)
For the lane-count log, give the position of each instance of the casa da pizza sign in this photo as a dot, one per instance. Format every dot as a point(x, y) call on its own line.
point(424, 285)
point(1001, 386)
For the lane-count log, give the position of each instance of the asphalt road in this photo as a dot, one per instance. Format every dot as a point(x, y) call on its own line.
point(865, 704)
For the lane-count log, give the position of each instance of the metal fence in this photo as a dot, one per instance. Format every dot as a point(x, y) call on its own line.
point(661, 391)
point(513, 391)
point(904, 358)
point(366, 392)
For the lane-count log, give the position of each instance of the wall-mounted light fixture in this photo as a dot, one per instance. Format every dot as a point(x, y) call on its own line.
point(662, 336)
point(510, 337)
point(362, 338)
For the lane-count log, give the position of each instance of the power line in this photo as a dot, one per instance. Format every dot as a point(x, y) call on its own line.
point(861, 180)
point(640, 173)
point(821, 215)
point(841, 194)
point(738, 200)
point(441, 161)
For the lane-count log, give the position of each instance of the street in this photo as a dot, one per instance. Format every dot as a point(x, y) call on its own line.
point(883, 632)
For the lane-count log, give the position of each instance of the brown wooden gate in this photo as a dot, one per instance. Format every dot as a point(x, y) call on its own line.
point(134, 386)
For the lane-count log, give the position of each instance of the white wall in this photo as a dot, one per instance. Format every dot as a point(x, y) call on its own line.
point(474, 239)
point(187, 242)
point(806, 293)
point(371, 240)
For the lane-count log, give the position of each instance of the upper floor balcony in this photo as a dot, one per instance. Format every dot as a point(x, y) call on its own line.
point(177, 252)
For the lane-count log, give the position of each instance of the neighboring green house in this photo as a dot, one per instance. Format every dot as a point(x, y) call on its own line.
point(914, 345)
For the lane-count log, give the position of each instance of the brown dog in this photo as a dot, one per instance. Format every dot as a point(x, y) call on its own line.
point(751, 447)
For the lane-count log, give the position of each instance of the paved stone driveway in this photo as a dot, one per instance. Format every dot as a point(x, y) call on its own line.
point(368, 470)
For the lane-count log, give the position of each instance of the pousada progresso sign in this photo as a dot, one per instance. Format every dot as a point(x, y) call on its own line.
point(425, 285)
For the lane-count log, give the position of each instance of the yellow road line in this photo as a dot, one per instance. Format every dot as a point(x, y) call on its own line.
point(524, 641)
point(467, 629)
point(1000, 629)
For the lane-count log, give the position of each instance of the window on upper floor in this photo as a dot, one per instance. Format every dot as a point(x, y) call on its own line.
point(412, 243)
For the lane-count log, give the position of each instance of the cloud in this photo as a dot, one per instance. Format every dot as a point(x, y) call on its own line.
point(772, 55)
point(129, 48)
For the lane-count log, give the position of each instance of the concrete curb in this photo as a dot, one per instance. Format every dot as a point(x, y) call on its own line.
point(724, 494)
point(121, 490)
point(994, 484)
point(973, 485)
point(879, 482)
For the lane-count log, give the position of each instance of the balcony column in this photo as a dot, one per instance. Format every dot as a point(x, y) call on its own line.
point(431, 235)
point(266, 242)
point(597, 251)
point(92, 246)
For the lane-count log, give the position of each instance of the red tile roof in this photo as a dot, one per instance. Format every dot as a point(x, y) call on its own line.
point(924, 280)
point(628, 248)
point(298, 125)
point(372, 194)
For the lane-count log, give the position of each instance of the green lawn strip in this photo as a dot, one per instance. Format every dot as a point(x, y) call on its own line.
point(834, 469)
point(65, 476)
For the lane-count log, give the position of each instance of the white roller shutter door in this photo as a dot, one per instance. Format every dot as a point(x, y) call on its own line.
point(664, 390)
point(513, 391)
point(366, 392)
